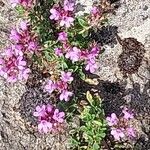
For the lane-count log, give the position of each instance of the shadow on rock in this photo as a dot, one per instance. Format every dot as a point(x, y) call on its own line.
point(33, 96)
point(139, 101)
point(105, 35)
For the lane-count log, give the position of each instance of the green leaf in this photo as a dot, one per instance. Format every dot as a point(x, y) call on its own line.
point(96, 146)
point(85, 34)
point(103, 135)
point(75, 68)
point(81, 74)
point(74, 142)
point(83, 128)
point(89, 97)
point(20, 10)
point(82, 22)
point(97, 122)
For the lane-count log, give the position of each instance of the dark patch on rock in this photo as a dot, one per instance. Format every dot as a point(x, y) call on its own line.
point(130, 59)
point(112, 95)
point(113, 1)
point(33, 96)
point(145, 7)
point(140, 101)
point(105, 35)
point(142, 144)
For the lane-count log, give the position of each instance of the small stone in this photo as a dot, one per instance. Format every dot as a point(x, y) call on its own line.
point(145, 7)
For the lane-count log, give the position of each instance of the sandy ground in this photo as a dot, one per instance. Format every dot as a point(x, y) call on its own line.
point(132, 20)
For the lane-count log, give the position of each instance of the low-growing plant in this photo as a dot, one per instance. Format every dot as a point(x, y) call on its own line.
point(51, 35)
point(92, 131)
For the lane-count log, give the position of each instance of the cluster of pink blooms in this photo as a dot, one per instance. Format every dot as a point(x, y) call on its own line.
point(95, 16)
point(120, 127)
point(75, 54)
point(13, 65)
point(63, 14)
point(23, 38)
point(25, 3)
point(61, 86)
point(50, 118)
point(95, 11)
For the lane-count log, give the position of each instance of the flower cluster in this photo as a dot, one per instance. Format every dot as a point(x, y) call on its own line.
point(61, 86)
point(95, 16)
point(25, 3)
point(24, 38)
point(63, 14)
point(50, 118)
point(75, 54)
point(13, 65)
point(120, 127)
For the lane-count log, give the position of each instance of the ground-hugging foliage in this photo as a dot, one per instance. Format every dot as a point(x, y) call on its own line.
point(51, 36)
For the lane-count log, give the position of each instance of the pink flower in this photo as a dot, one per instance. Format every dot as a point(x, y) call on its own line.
point(23, 25)
point(68, 6)
point(24, 74)
point(92, 54)
point(62, 37)
point(14, 3)
point(12, 78)
point(40, 111)
point(95, 51)
point(127, 115)
point(17, 49)
point(32, 46)
point(130, 132)
point(49, 118)
point(44, 126)
point(50, 86)
point(49, 108)
point(58, 52)
point(66, 76)
point(66, 21)
point(63, 15)
point(95, 11)
point(13, 66)
point(117, 134)
point(91, 66)
point(61, 86)
point(14, 35)
point(113, 120)
point(58, 116)
point(20, 63)
point(65, 95)
point(84, 54)
point(55, 15)
point(73, 54)
point(25, 3)
point(24, 39)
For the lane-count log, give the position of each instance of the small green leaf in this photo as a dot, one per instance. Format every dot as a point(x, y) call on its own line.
point(97, 122)
point(85, 34)
point(82, 22)
point(82, 75)
point(103, 135)
point(20, 10)
point(89, 97)
point(96, 146)
point(74, 142)
point(83, 128)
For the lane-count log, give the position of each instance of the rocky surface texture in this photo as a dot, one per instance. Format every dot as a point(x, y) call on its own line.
point(133, 20)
